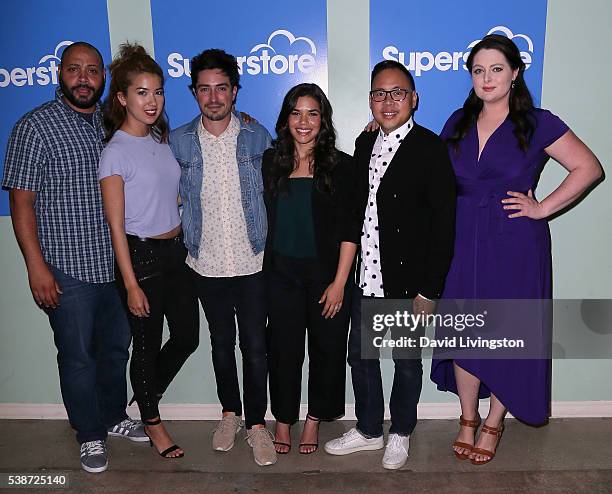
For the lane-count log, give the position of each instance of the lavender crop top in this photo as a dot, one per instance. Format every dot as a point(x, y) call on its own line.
point(151, 176)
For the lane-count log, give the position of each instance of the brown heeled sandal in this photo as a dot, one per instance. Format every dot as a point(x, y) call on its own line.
point(474, 424)
point(495, 431)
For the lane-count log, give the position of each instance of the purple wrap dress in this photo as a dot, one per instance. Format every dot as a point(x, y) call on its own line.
point(497, 257)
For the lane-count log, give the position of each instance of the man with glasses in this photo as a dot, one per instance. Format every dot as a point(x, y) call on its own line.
point(224, 227)
point(407, 194)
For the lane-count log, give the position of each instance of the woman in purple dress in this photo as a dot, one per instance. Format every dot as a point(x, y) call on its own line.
point(498, 143)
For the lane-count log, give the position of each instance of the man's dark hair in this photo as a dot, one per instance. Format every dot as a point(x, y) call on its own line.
point(84, 44)
point(392, 64)
point(215, 59)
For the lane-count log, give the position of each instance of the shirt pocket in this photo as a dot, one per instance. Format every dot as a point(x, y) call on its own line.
point(251, 165)
point(187, 163)
point(191, 172)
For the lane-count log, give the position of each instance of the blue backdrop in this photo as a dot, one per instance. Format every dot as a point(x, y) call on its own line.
point(433, 39)
point(278, 44)
point(33, 35)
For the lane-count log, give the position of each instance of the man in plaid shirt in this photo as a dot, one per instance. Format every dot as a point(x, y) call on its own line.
point(51, 171)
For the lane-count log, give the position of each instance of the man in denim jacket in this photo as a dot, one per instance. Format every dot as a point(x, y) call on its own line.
point(224, 225)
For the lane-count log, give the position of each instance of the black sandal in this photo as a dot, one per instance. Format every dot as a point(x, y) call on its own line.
point(316, 445)
point(166, 451)
point(283, 444)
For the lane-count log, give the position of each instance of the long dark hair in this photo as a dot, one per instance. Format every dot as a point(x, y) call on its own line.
point(325, 154)
point(131, 61)
point(520, 102)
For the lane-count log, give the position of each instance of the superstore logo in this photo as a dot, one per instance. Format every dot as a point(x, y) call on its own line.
point(424, 61)
point(43, 74)
point(263, 58)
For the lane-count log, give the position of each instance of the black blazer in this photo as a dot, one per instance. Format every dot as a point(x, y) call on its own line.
point(334, 215)
point(416, 212)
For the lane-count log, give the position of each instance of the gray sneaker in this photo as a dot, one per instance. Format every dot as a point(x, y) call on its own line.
point(130, 429)
point(93, 456)
point(225, 433)
point(260, 440)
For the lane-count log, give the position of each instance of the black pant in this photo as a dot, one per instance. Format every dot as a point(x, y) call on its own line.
point(224, 300)
point(293, 304)
point(159, 266)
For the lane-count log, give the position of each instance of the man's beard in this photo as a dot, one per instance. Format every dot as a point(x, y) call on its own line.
point(215, 117)
point(83, 104)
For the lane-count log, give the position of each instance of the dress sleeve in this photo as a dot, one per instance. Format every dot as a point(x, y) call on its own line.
point(549, 128)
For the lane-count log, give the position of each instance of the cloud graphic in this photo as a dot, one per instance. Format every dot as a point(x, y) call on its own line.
point(292, 39)
point(56, 51)
point(511, 35)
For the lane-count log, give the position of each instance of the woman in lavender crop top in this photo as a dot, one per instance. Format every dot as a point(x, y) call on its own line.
point(139, 178)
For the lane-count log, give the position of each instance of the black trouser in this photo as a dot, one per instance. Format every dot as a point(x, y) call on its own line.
point(159, 266)
point(294, 309)
point(224, 300)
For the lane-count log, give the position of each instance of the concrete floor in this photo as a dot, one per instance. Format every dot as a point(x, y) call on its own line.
point(566, 456)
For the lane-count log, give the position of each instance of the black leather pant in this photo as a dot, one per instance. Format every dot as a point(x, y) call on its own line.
point(159, 266)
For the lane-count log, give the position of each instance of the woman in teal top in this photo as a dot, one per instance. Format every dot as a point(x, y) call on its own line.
point(313, 233)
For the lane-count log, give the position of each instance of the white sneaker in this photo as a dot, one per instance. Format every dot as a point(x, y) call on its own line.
point(396, 452)
point(353, 441)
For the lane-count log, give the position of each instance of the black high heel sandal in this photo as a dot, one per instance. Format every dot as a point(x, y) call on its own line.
point(167, 451)
point(279, 443)
point(316, 445)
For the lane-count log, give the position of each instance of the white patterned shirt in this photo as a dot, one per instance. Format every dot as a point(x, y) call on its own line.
point(385, 147)
point(225, 249)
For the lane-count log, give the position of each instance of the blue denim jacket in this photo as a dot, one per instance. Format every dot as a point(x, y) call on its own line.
point(253, 140)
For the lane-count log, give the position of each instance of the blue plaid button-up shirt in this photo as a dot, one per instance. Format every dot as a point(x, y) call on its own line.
point(55, 152)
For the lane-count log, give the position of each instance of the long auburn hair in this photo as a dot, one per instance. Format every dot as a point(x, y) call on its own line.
point(131, 61)
point(325, 154)
point(520, 103)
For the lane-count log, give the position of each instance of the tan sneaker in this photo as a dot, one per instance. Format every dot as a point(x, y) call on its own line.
point(260, 439)
point(225, 433)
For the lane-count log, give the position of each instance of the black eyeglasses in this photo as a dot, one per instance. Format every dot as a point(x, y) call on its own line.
point(397, 94)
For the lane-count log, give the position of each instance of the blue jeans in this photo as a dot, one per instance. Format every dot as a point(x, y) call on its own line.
point(92, 337)
point(224, 301)
point(367, 385)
